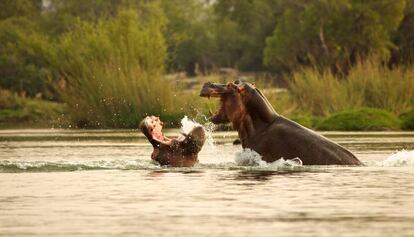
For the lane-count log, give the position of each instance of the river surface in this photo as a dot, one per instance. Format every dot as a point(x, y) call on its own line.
point(103, 183)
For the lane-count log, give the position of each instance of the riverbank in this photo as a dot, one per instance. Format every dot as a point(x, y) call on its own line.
point(35, 113)
point(21, 112)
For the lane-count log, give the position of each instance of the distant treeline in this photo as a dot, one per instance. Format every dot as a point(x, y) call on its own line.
point(47, 44)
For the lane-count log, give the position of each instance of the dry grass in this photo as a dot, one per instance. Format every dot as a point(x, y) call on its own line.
point(368, 84)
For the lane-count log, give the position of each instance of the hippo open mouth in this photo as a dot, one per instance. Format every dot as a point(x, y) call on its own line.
point(216, 90)
point(152, 128)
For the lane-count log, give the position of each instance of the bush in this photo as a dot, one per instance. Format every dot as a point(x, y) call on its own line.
point(114, 71)
point(25, 56)
point(366, 119)
point(407, 120)
point(9, 100)
point(17, 111)
point(368, 84)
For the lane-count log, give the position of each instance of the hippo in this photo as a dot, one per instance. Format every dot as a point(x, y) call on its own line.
point(271, 135)
point(181, 151)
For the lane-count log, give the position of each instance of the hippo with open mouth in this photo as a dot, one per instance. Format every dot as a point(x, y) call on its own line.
point(181, 151)
point(271, 135)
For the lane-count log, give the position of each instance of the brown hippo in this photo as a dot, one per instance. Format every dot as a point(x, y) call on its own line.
point(178, 152)
point(271, 135)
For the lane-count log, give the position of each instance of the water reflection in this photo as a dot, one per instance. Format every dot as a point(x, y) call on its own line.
point(110, 187)
point(161, 172)
point(261, 175)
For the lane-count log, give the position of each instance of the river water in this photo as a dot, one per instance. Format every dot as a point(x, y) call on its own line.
point(102, 183)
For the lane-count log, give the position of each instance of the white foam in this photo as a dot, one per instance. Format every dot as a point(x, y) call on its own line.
point(45, 166)
point(401, 158)
point(187, 125)
point(249, 157)
point(287, 163)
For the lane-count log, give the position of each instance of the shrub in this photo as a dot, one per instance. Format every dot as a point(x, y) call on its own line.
point(361, 119)
point(368, 84)
point(114, 71)
point(17, 111)
point(407, 120)
point(9, 100)
point(25, 53)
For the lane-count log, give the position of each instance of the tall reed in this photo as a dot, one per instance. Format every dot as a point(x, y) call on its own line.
point(368, 84)
point(114, 71)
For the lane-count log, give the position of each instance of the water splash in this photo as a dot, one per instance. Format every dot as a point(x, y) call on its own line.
point(401, 158)
point(187, 125)
point(66, 166)
point(248, 157)
point(208, 126)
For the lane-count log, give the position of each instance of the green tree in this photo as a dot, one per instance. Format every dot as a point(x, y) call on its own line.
point(25, 50)
point(189, 34)
point(14, 8)
point(113, 69)
point(333, 33)
point(242, 26)
point(24, 58)
point(404, 37)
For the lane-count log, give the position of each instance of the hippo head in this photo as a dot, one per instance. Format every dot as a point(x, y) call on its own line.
point(231, 100)
point(238, 99)
point(151, 127)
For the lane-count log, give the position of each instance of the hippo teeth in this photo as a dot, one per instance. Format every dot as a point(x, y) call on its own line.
point(210, 112)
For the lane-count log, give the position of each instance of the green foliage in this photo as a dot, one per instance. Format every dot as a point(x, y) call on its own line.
point(24, 58)
point(25, 50)
point(404, 38)
point(333, 33)
point(369, 84)
point(9, 100)
point(108, 58)
point(17, 111)
point(407, 120)
point(114, 68)
point(242, 27)
point(189, 35)
point(10, 8)
point(366, 119)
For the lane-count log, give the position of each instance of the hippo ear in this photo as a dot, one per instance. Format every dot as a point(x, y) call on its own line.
point(240, 86)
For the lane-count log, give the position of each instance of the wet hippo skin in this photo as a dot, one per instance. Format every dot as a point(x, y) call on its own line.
point(271, 135)
point(181, 151)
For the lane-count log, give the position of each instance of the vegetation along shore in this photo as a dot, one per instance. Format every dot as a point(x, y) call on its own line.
point(329, 65)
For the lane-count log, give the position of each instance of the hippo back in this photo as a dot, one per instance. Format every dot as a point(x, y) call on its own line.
point(288, 139)
point(193, 141)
